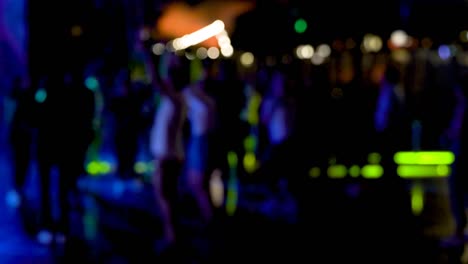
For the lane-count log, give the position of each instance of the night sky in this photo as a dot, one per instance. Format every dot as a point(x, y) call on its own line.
point(269, 28)
point(328, 20)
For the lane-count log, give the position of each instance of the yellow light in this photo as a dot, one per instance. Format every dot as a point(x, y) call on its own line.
point(372, 171)
point(417, 198)
point(337, 171)
point(250, 162)
point(423, 171)
point(424, 158)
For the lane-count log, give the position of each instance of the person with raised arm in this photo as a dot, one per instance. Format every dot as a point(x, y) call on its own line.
point(201, 117)
point(166, 143)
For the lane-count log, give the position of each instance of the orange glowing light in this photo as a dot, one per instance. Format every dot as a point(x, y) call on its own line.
point(179, 19)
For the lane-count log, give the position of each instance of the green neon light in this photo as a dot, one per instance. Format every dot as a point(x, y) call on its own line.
point(337, 171)
point(417, 198)
point(232, 198)
point(300, 26)
point(232, 159)
point(232, 194)
point(423, 171)
point(252, 109)
point(250, 162)
point(424, 158)
point(372, 171)
point(374, 158)
point(95, 168)
point(354, 171)
point(250, 143)
point(314, 172)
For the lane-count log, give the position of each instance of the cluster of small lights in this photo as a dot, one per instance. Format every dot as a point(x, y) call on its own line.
point(197, 37)
point(399, 43)
point(224, 43)
point(215, 29)
point(316, 55)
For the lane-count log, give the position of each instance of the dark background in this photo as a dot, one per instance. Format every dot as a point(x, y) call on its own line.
point(271, 25)
point(269, 28)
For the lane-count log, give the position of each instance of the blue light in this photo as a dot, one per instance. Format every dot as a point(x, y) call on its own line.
point(444, 52)
point(92, 83)
point(41, 95)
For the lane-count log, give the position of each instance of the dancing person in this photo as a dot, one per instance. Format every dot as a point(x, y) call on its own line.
point(277, 116)
point(224, 84)
point(126, 108)
point(64, 135)
point(166, 143)
point(201, 116)
point(458, 133)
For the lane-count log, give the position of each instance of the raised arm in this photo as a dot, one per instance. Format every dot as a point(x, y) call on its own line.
point(168, 61)
point(384, 105)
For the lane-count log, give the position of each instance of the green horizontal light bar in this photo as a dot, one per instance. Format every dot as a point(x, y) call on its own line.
point(337, 171)
point(95, 168)
point(423, 171)
point(424, 158)
point(372, 171)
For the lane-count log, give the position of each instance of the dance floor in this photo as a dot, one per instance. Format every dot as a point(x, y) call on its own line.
point(329, 221)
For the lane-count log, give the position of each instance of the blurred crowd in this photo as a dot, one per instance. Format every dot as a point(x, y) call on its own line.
point(188, 115)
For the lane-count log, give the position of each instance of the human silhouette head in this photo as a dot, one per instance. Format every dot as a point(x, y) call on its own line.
point(392, 74)
point(175, 69)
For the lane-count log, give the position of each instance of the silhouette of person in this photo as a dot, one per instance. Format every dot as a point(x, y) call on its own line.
point(78, 135)
point(64, 134)
point(277, 114)
point(166, 144)
point(392, 118)
point(458, 178)
point(21, 137)
point(224, 85)
point(201, 116)
point(126, 107)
